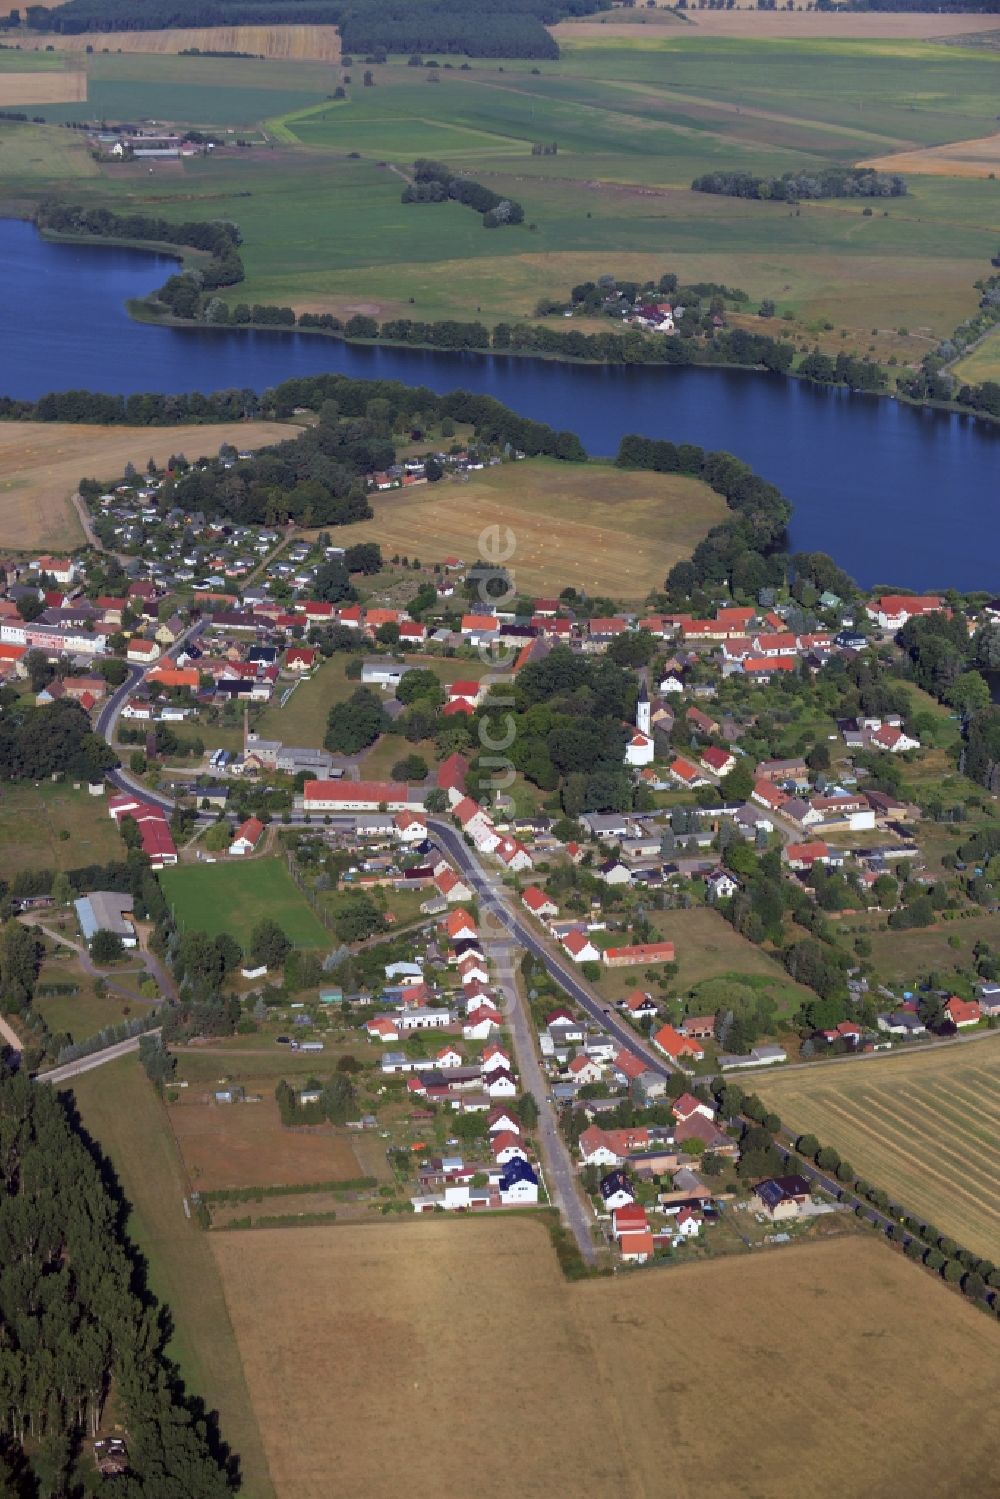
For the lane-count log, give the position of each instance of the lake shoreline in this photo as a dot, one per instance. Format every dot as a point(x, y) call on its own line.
point(140, 311)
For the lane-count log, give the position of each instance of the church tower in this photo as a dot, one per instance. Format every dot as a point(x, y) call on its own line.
point(642, 711)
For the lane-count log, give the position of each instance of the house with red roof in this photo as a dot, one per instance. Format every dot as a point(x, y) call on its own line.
point(720, 762)
point(580, 947)
point(481, 1022)
point(639, 1005)
point(892, 610)
point(639, 952)
point(451, 885)
point(805, 855)
point(451, 773)
point(630, 1219)
point(629, 1066)
point(538, 903)
point(300, 658)
point(687, 1105)
point(962, 1012)
point(762, 668)
point(596, 1149)
point(686, 773)
point(459, 925)
point(382, 1028)
point(636, 1249)
point(247, 837)
point(677, 1048)
point(892, 740)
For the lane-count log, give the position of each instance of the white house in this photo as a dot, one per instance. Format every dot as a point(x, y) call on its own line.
point(518, 1183)
point(580, 947)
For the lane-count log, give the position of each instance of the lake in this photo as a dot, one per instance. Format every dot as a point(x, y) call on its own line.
point(895, 494)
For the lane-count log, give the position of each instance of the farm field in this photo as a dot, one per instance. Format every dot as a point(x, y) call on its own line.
point(592, 527)
point(287, 43)
point(765, 24)
point(35, 82)
point(637, 112)
point(370, 1324)
point(233, 897)
point(244, 1145)
point(924, 1126)
point(975, 158)
point(121, 1111)
point(41, 464)
point(33, 817)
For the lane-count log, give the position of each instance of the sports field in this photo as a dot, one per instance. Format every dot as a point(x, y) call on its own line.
point(925, 1127)
point(234, 896)
point(41, 464)
point(335, 1325)
point(586, 526)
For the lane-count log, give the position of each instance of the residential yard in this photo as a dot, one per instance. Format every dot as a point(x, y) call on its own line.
point(41, 463)
point(707, 948)
point(588, 526)
point(120, 1109)
point(924, 1125)
point(905, 957)
point(332, 1318)
point(245, 1145)
point(83, 1014)
point(54, 826)
point(233, 897)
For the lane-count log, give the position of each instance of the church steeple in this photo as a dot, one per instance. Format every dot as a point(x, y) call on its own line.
point(642, 710)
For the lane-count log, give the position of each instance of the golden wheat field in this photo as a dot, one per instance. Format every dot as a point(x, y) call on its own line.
point(41, 464)
point(925, 1127)
point(293, 43)
point(453, 1352)
point(44, 86)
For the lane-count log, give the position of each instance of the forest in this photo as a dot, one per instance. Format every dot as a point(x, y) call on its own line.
point(472, 28)
point(81, 1332)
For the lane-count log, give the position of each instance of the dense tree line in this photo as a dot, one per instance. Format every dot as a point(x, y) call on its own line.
point(830, 182)
point(472, 27)
point(36, 742)
point(434, 182)
point(78, 1321)
point(738, 551)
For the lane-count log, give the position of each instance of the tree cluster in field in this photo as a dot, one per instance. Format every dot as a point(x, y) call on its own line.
point(37, 742)
point(434, 182)
point(472, 27)
point(791, 187)
point(949, 664)
point(80, 1323)
point(335, 1105)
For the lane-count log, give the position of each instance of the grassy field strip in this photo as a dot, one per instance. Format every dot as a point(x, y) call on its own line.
point(921, 1167)
point(279, 125)
point(121, 1110)
point(754, 112)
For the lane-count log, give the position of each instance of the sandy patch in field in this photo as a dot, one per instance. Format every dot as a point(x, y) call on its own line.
point(47, 86)
point(41, 464)
point(975, 158)
point(292, 43)
point(810, 25)
point(450, 1358)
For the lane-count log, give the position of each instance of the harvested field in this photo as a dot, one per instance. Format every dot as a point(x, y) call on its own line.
point(924, 1126)
point(391, 1311)
point(771, 24)
point(244, 1145)
point(291, 43)
point(42, 86)
point(983, 363)
point(41, 464)
point(582, 524)
point(975, 158)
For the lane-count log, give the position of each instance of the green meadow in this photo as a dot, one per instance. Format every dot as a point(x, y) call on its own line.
point(634, 122)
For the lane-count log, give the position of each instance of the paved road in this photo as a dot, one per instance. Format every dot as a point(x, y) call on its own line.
point(560, 1177)
point(96, 1059)
point(495, 901)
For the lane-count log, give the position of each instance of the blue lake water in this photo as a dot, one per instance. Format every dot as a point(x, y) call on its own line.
point(897, 495)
